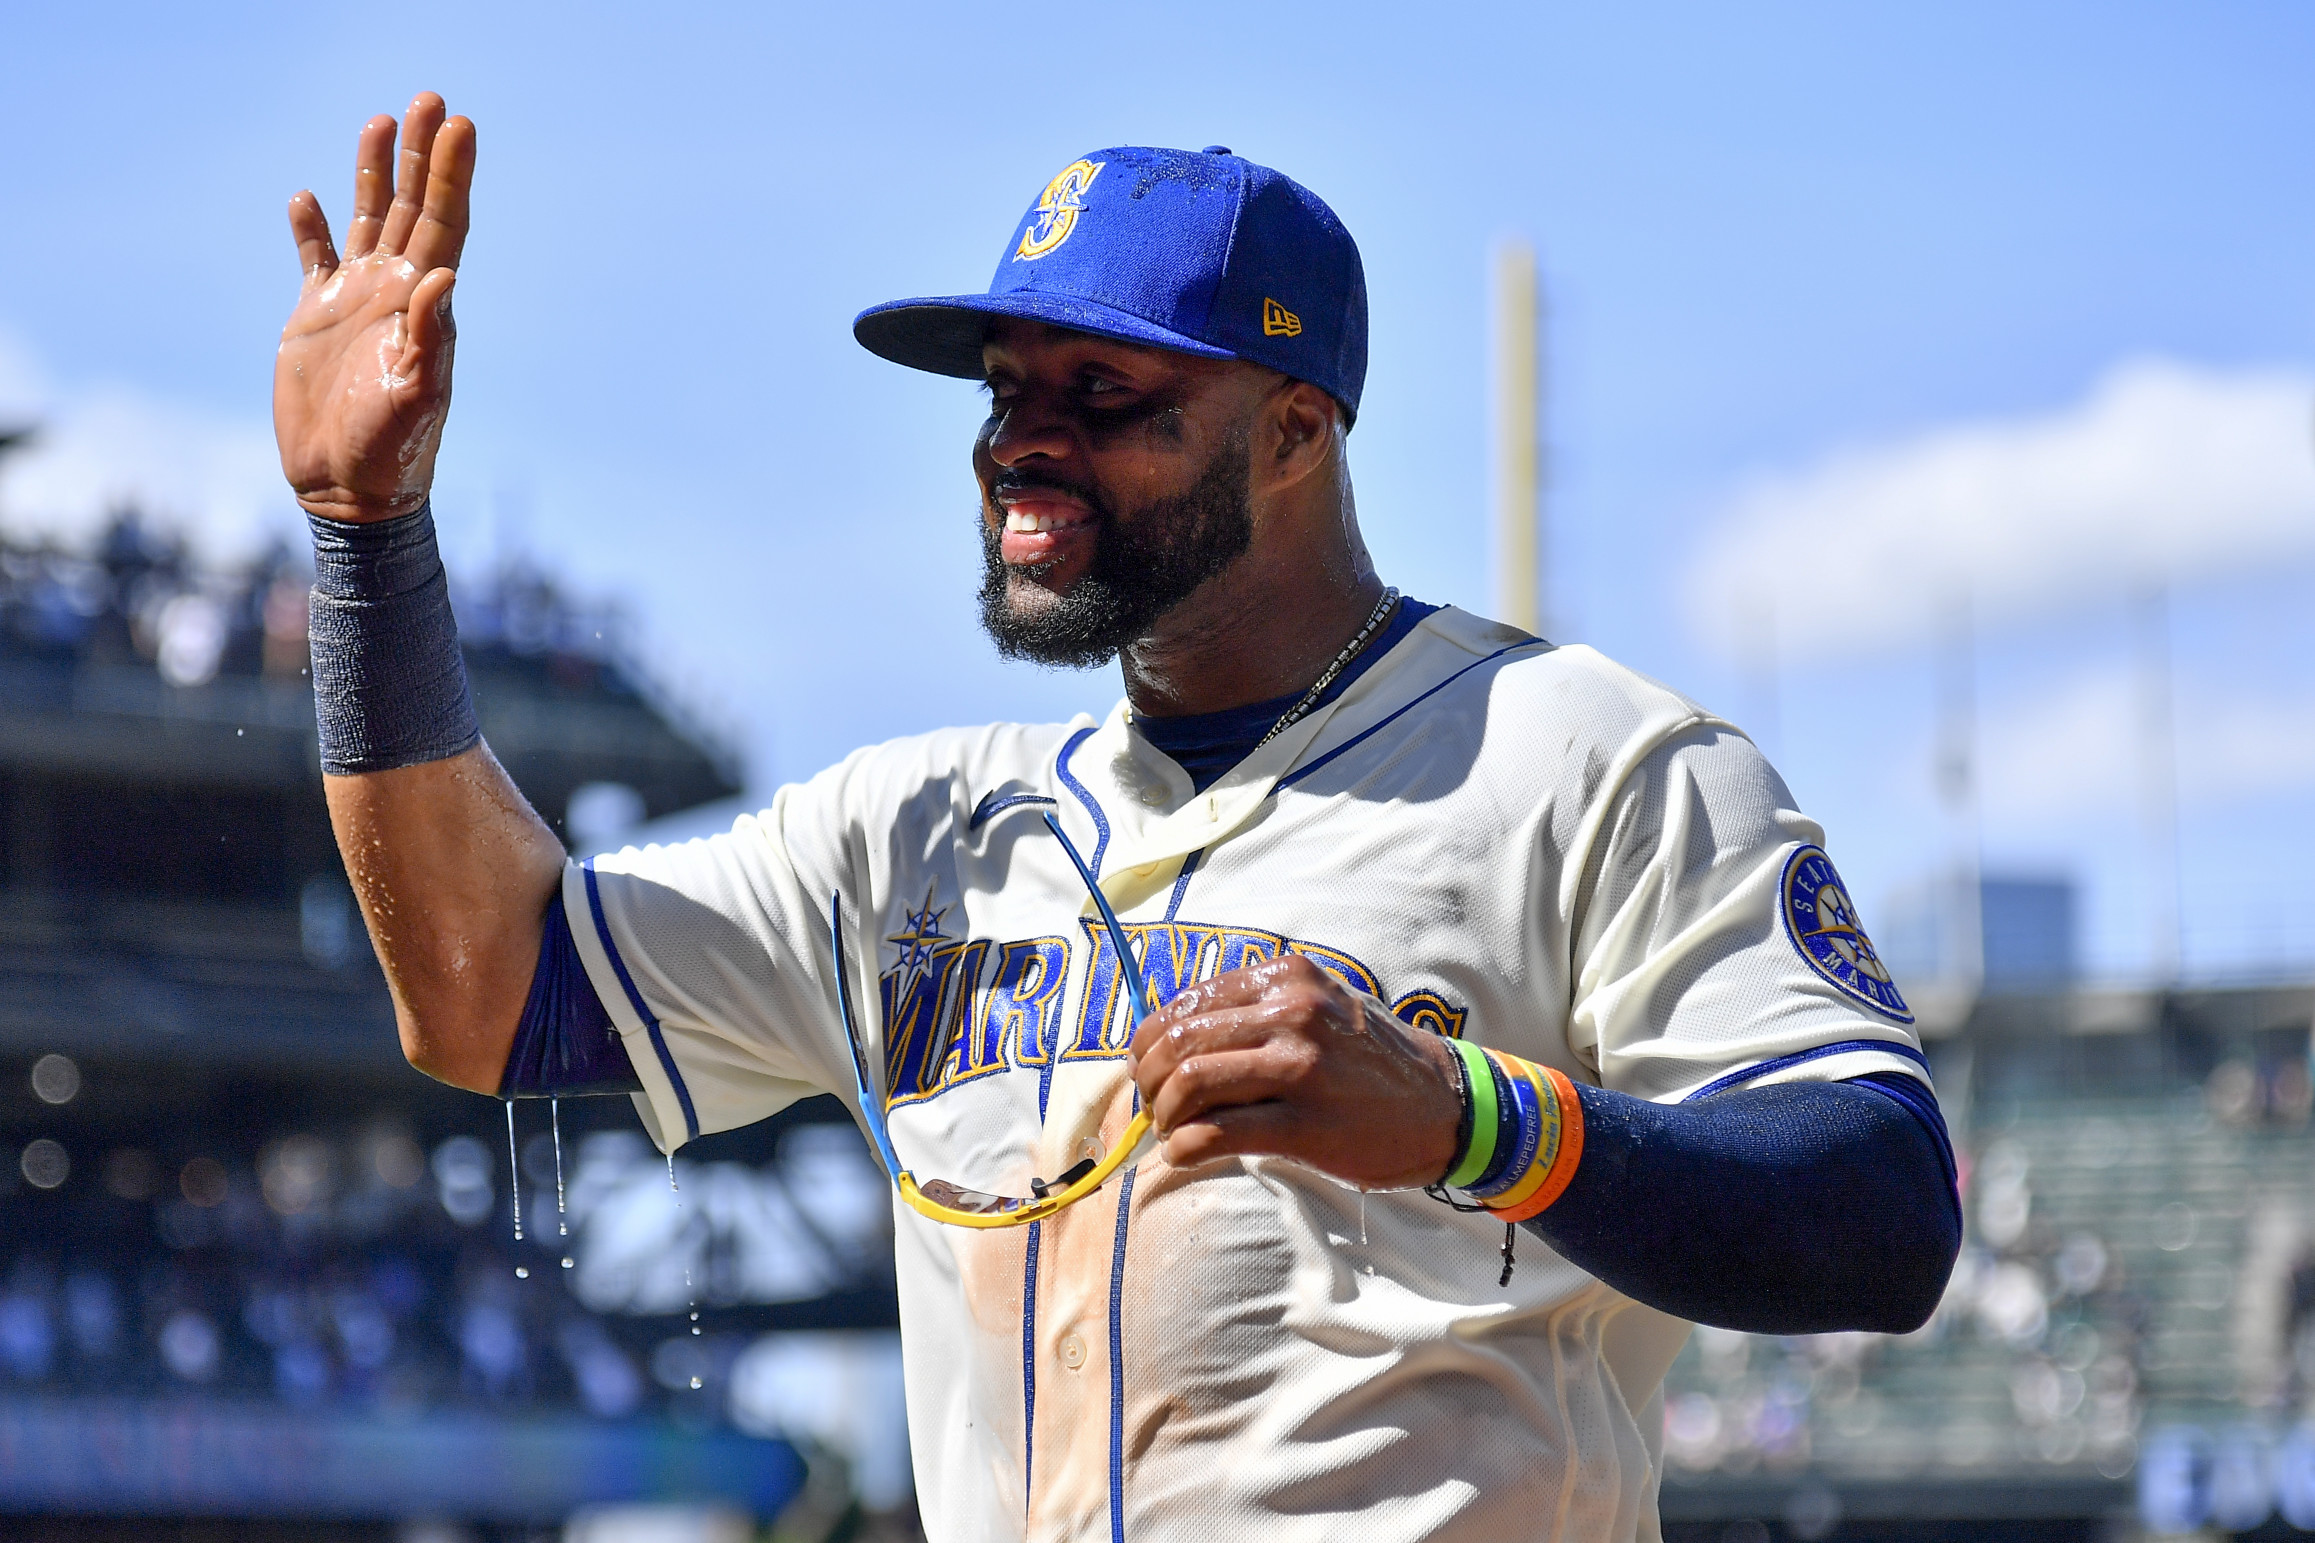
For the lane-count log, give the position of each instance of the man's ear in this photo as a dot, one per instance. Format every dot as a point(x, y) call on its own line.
point(1302, 422)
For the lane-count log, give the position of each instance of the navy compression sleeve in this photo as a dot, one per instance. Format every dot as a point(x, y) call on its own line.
point(1802, 1208)
point(566, 1045)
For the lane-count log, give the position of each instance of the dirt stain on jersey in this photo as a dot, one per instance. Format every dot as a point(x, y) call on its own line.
point(990, 1267)
point(1077, 1255)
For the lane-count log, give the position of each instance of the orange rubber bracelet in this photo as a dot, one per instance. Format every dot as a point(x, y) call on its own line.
point(1571, 1151)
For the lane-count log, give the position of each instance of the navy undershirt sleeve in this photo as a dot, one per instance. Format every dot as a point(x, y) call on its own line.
point(1802, 1208)
point(566, 1045)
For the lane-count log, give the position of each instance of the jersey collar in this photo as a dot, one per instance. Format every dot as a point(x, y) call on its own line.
point(1156, 819)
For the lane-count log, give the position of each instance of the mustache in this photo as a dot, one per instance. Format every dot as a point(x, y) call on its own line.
point(1017, 480)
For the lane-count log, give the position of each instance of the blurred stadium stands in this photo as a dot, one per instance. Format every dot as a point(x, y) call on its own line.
point(258, 1273)
point(2129, 1340)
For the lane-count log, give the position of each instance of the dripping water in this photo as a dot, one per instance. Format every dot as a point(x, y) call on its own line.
point(689, 1290)
point(514, 1174)
point(562, 1210)
point(1362, 1216)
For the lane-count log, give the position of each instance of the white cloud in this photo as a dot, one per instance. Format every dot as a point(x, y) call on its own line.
point(211, 476)
point(2079, 751)
point(2072, 752)
point(2165, 471)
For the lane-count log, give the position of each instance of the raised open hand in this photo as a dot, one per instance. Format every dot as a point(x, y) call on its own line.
point(361, 385)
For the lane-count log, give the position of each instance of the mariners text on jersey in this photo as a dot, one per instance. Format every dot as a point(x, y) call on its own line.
point(957, 1009)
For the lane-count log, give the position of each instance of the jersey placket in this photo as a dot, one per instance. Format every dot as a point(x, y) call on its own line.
point(1073, 1277)
point(1151, 830)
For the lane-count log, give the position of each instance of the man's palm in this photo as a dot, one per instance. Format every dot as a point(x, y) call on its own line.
point(361, 385)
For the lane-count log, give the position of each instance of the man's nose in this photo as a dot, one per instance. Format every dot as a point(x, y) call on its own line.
point(1025, 428)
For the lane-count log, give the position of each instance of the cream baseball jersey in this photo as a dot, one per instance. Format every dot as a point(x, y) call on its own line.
point(1528, 846)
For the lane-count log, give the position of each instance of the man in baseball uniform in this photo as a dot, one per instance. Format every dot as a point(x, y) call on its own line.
point(1322, 1091)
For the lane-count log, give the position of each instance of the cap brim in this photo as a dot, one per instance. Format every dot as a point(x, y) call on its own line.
point(944, 334)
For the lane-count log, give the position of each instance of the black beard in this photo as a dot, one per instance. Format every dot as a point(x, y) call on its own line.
point(1143, 566)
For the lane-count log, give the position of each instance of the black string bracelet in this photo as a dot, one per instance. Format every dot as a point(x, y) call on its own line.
point(1438, 1190)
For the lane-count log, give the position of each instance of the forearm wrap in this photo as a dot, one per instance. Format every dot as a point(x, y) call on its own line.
point(389, 683)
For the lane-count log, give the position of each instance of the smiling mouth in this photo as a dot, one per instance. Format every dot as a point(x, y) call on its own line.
point(1044, 524)
point(1045, 517)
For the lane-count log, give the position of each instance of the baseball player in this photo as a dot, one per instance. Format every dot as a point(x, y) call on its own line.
point(1320, 1092)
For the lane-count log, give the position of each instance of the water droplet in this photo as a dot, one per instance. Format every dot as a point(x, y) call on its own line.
point(514, 1170)
point(695, 1382)
point(695, 1328)
point(566, 1261)
point(522, 1272)
point(562, 1210)
point(695, 1315)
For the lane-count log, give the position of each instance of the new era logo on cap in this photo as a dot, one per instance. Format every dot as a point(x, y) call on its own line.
point(1169, 248)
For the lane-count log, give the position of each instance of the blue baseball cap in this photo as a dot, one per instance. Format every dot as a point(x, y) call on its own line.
point(1204, 253)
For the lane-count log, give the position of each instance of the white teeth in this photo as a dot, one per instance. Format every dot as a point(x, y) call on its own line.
point(1022, 523)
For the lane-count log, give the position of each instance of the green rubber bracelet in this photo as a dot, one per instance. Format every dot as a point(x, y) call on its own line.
point(1479, 1079)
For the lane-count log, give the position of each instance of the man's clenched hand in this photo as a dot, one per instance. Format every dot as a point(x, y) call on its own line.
point(361, 385)
point(1282, 1058)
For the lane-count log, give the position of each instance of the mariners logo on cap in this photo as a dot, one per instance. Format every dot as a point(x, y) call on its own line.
point(1822, 922)
point(1057, 209)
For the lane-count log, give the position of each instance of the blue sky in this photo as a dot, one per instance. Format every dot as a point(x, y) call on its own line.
point(1769, 238)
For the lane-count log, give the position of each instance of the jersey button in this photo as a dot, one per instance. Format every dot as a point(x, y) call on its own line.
point(1072, 1351)
point(1153, 795)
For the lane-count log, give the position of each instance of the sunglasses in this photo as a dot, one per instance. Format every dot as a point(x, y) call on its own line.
point(954, 1204)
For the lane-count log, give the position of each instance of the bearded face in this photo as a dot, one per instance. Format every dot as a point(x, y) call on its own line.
point(1146, 560)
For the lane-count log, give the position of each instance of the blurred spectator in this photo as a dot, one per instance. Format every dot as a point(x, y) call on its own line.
point(353, 1267)
point(136, 601)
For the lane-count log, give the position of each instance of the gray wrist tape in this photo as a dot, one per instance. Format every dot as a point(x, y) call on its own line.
point(389, 685)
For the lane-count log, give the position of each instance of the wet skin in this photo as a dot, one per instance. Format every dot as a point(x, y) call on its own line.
point(455, 871)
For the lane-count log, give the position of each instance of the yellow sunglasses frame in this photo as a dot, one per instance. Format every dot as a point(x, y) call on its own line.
point(1137, 1135)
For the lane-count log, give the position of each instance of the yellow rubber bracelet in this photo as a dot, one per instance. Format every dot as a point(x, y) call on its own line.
point(1546, 1147)
point(1564, 1163)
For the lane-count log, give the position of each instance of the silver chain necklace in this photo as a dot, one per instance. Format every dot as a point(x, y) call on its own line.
point(1365, 635)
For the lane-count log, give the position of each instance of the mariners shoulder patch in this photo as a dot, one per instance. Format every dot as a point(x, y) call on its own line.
point(1822, 921)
